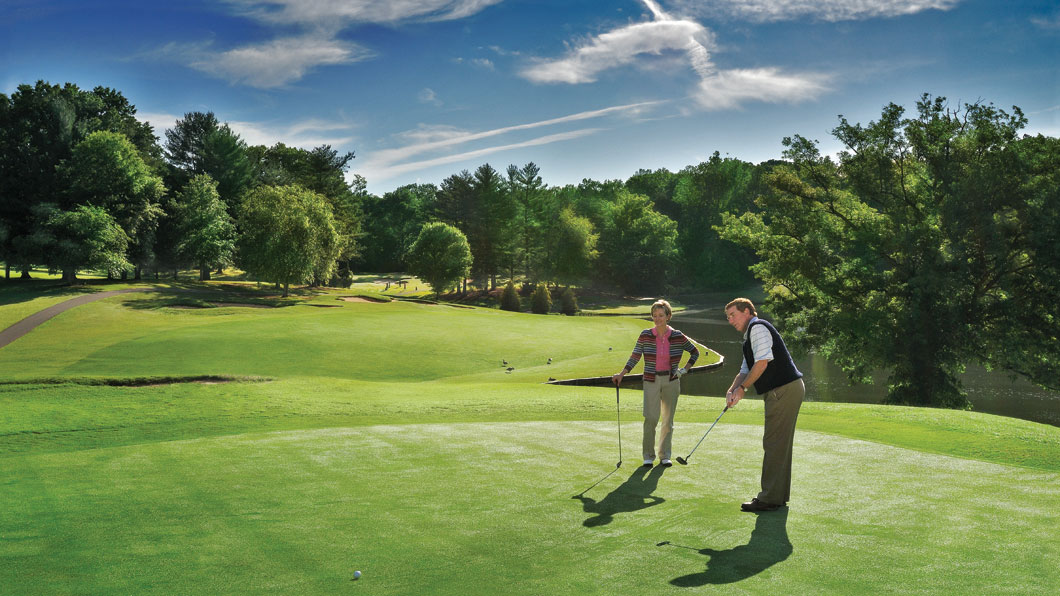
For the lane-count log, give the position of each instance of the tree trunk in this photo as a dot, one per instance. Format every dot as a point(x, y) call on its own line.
point(285, 285)
point(204, 273)
point(7, 270)
point(70, 276)
point(137, 274)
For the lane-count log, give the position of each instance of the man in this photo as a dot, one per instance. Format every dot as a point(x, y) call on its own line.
point(768, 367)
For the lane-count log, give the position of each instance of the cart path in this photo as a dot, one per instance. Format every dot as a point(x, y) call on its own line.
point(29, 323)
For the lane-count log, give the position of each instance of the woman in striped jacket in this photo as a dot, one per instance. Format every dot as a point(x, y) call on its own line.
point(661, 347)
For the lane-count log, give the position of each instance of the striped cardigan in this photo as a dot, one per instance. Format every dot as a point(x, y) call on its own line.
point(646, 346)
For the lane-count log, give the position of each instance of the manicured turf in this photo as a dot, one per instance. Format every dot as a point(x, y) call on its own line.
point(388, 438)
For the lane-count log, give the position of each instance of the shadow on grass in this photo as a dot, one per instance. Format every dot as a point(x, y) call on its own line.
point(769, 545)
point(632, 495)
point(197, 295)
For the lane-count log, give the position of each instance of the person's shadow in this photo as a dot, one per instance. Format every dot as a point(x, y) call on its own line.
point(768, 546)
point(632, 495)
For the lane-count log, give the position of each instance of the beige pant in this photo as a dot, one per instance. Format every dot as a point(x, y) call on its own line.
point(660, 401)
point(782, 410)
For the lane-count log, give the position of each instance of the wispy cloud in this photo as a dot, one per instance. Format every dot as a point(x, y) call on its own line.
point(825, 10)
point(380, 165)
point(388, 171)
point(275, 63)
point(728, 89)
point(284, 60)
point(428, 96)
point(1051, 22)
point(717, 89)
point(304, 134)
point(330, 14)
point(617, 48)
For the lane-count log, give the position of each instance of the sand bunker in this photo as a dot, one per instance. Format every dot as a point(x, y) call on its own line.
point(362, 299)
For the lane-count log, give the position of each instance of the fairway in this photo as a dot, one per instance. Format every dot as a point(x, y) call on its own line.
point(389, 439)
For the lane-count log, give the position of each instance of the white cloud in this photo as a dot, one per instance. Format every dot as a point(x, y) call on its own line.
point(277, 62)
point(304, 134)
point(284, 60)
point(621, 47)
point(331, 13)
point(717, 89)
point(159, 121)
point(825, 10)
point(728, 89)
point(380, 165)
point(1050, 22)
point(428, 96)
point(483, 62)
point(376, 171)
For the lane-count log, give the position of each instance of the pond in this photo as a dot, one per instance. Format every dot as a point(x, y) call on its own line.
point(992, 392)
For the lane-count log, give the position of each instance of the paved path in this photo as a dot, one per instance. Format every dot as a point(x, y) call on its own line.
point(26, 325)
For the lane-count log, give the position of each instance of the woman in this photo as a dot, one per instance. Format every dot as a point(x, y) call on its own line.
point(661, 346)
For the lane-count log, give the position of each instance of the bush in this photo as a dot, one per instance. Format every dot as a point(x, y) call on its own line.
point(510, 298)
point(541, 301)
point(568, 302)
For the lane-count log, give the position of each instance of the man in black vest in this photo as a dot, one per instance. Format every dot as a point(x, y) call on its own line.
point(768, 366)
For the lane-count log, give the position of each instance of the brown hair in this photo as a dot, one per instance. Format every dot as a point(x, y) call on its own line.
point(663, 305)
point(743, 305)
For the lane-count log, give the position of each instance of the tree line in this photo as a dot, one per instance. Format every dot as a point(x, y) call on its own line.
point(85, 186)
point(88, 187)
point(930, 242)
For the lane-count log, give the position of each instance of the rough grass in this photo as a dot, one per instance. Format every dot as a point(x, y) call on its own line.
point(388, 438)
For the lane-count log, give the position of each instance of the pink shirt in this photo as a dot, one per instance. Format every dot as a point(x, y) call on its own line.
point(662, 349)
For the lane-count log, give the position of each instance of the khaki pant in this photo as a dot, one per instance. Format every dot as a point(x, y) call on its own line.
point(660, 401)
point(782, 409)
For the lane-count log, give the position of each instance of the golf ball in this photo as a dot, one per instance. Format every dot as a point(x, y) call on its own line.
point(356, 575)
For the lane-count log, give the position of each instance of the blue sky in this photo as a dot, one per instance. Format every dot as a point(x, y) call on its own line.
point(422, 89)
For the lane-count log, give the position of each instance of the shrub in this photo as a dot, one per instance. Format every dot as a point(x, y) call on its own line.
point(568, 302)
point(541, 301)
point(510, 298)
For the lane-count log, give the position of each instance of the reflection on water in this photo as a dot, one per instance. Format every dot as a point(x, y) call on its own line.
point(990, 392)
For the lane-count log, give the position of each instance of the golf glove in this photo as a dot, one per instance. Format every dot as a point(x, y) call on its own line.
point(680, 372)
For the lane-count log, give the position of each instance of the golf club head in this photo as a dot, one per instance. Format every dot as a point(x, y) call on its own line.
point(682, 461)
point(663, 543)
point(618, 465)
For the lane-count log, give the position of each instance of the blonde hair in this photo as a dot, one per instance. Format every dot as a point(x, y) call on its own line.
point(663, 305)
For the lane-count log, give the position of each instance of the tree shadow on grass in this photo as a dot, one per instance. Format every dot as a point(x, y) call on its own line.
point(632, 495)
point(769, 545)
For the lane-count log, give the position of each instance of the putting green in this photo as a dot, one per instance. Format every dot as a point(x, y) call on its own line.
point(490, 508)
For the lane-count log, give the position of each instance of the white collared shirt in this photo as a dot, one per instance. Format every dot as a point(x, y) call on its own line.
point(761, 344)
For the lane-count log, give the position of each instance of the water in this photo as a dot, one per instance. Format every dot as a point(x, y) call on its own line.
point(991, 392)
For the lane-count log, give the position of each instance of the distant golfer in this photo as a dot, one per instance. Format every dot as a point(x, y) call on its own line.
point(768, 366)
point(661, 346)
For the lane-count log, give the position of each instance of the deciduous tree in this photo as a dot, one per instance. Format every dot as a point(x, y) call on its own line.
point(440, 256)
point(287, 235)
point(930, 244)
point(208, 234)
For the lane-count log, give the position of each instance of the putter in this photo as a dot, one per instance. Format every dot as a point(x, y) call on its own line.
point(684, 460)
point(618, 415)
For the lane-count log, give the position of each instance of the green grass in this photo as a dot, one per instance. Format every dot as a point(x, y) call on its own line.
point(388, 438)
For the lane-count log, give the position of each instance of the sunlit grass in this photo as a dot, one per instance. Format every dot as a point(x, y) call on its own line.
point(389, 438)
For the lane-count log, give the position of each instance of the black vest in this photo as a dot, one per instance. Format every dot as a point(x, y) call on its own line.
point(780, 370)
